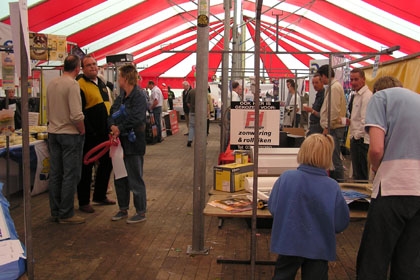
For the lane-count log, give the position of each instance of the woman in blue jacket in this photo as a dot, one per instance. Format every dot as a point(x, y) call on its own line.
point(308, 209)
point(127, 122)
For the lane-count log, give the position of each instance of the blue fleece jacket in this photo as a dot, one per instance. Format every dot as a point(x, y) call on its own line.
point(308, 209)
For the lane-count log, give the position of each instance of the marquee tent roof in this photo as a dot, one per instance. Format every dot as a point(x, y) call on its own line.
point(148, 29)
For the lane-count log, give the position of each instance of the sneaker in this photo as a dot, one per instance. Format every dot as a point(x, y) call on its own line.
point(87, 208)
point(137, 218)
point(72, 220)
point(120, 215)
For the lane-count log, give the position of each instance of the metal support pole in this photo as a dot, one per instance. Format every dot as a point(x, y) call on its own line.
point(329, 93)
point(225, 76)
point(258, 8)
point(200, 137)
point(25, 156)
point(235, 43)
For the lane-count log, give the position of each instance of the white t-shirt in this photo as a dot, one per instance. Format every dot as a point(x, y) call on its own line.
point(156, 93)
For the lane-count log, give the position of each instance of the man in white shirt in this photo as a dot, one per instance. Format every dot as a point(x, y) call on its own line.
point(156, 101)
point(236, 91)
point(359, 139)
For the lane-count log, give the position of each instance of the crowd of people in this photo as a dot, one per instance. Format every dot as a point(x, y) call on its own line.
point(81, 115)
point(381, 143)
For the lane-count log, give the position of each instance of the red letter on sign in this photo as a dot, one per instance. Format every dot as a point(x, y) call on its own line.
point(250, 119)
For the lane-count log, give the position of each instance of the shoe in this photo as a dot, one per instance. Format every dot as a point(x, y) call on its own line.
point(54, 219)
point(87, 208)
point(137, 218)
point(106, 201)
point(189, 143)
point(72, 220)
point(120, 215)
point(186, 134)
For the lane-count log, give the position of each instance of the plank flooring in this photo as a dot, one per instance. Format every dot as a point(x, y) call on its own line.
point(156, 249)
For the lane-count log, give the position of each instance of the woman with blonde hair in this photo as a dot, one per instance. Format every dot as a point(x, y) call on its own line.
point(308, 209)
point(127, 122)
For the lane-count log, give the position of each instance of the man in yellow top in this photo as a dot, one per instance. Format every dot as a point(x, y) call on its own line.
point(334, 126)
point(96, 105)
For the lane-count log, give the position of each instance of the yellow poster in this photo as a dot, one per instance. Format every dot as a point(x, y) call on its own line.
point(57, 45)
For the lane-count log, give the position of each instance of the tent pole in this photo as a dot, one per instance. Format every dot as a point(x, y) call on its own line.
point(200, 135)
point(25, 156)
point(225, 76)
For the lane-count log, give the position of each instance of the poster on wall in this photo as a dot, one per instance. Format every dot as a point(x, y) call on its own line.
point(242, 124)
point(38, 46)
point(57, 47)
point(8, 70)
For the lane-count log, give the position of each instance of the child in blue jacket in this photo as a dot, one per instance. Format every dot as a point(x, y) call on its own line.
point(308, 209)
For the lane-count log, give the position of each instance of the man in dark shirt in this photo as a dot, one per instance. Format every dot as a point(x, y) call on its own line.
point(314, 125)
point(185, 94)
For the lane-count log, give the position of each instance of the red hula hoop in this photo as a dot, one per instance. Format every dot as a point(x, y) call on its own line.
point(97, 152)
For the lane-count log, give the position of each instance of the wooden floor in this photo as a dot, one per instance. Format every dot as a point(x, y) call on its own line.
point(156, 249)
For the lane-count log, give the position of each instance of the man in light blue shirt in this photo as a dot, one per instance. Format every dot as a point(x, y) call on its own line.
point(391, 235)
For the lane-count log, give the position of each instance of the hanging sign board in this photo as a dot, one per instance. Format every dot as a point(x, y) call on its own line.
point(242, 123)
point(375, 66)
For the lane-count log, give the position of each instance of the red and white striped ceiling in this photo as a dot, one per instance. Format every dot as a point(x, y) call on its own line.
point(306, 30)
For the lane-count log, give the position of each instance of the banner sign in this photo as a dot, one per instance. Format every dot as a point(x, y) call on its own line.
point(242, 123)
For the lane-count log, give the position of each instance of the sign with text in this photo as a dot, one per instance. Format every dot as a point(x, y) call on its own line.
point(242, 124)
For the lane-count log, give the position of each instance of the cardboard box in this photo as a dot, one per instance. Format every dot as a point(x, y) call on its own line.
point(230, 177)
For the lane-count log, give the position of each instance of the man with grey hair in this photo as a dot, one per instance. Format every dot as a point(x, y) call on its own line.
point(185, 96)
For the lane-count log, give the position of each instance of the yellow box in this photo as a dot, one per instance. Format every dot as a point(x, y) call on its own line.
point(230, 177)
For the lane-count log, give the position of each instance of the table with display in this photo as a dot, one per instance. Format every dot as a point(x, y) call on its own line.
point(39, 167)
point(358, 212)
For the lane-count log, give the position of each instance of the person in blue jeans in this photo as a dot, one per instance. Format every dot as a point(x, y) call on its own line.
point(66, 132)
point(156, 102)
point(128, 123)
point(308, 209)
point(191, 106)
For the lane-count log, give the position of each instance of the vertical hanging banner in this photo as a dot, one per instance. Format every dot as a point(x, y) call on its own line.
point(375, 66)
point(8, 70)
point(19, 21)
point(242, 123)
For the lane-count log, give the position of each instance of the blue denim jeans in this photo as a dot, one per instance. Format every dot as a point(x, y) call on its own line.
point(133, 182)
point(338, 135)
point(157, 113)
point(66, 151)
point(191, 129)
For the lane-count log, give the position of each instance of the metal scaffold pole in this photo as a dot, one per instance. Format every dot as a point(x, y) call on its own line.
point(200, 137)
